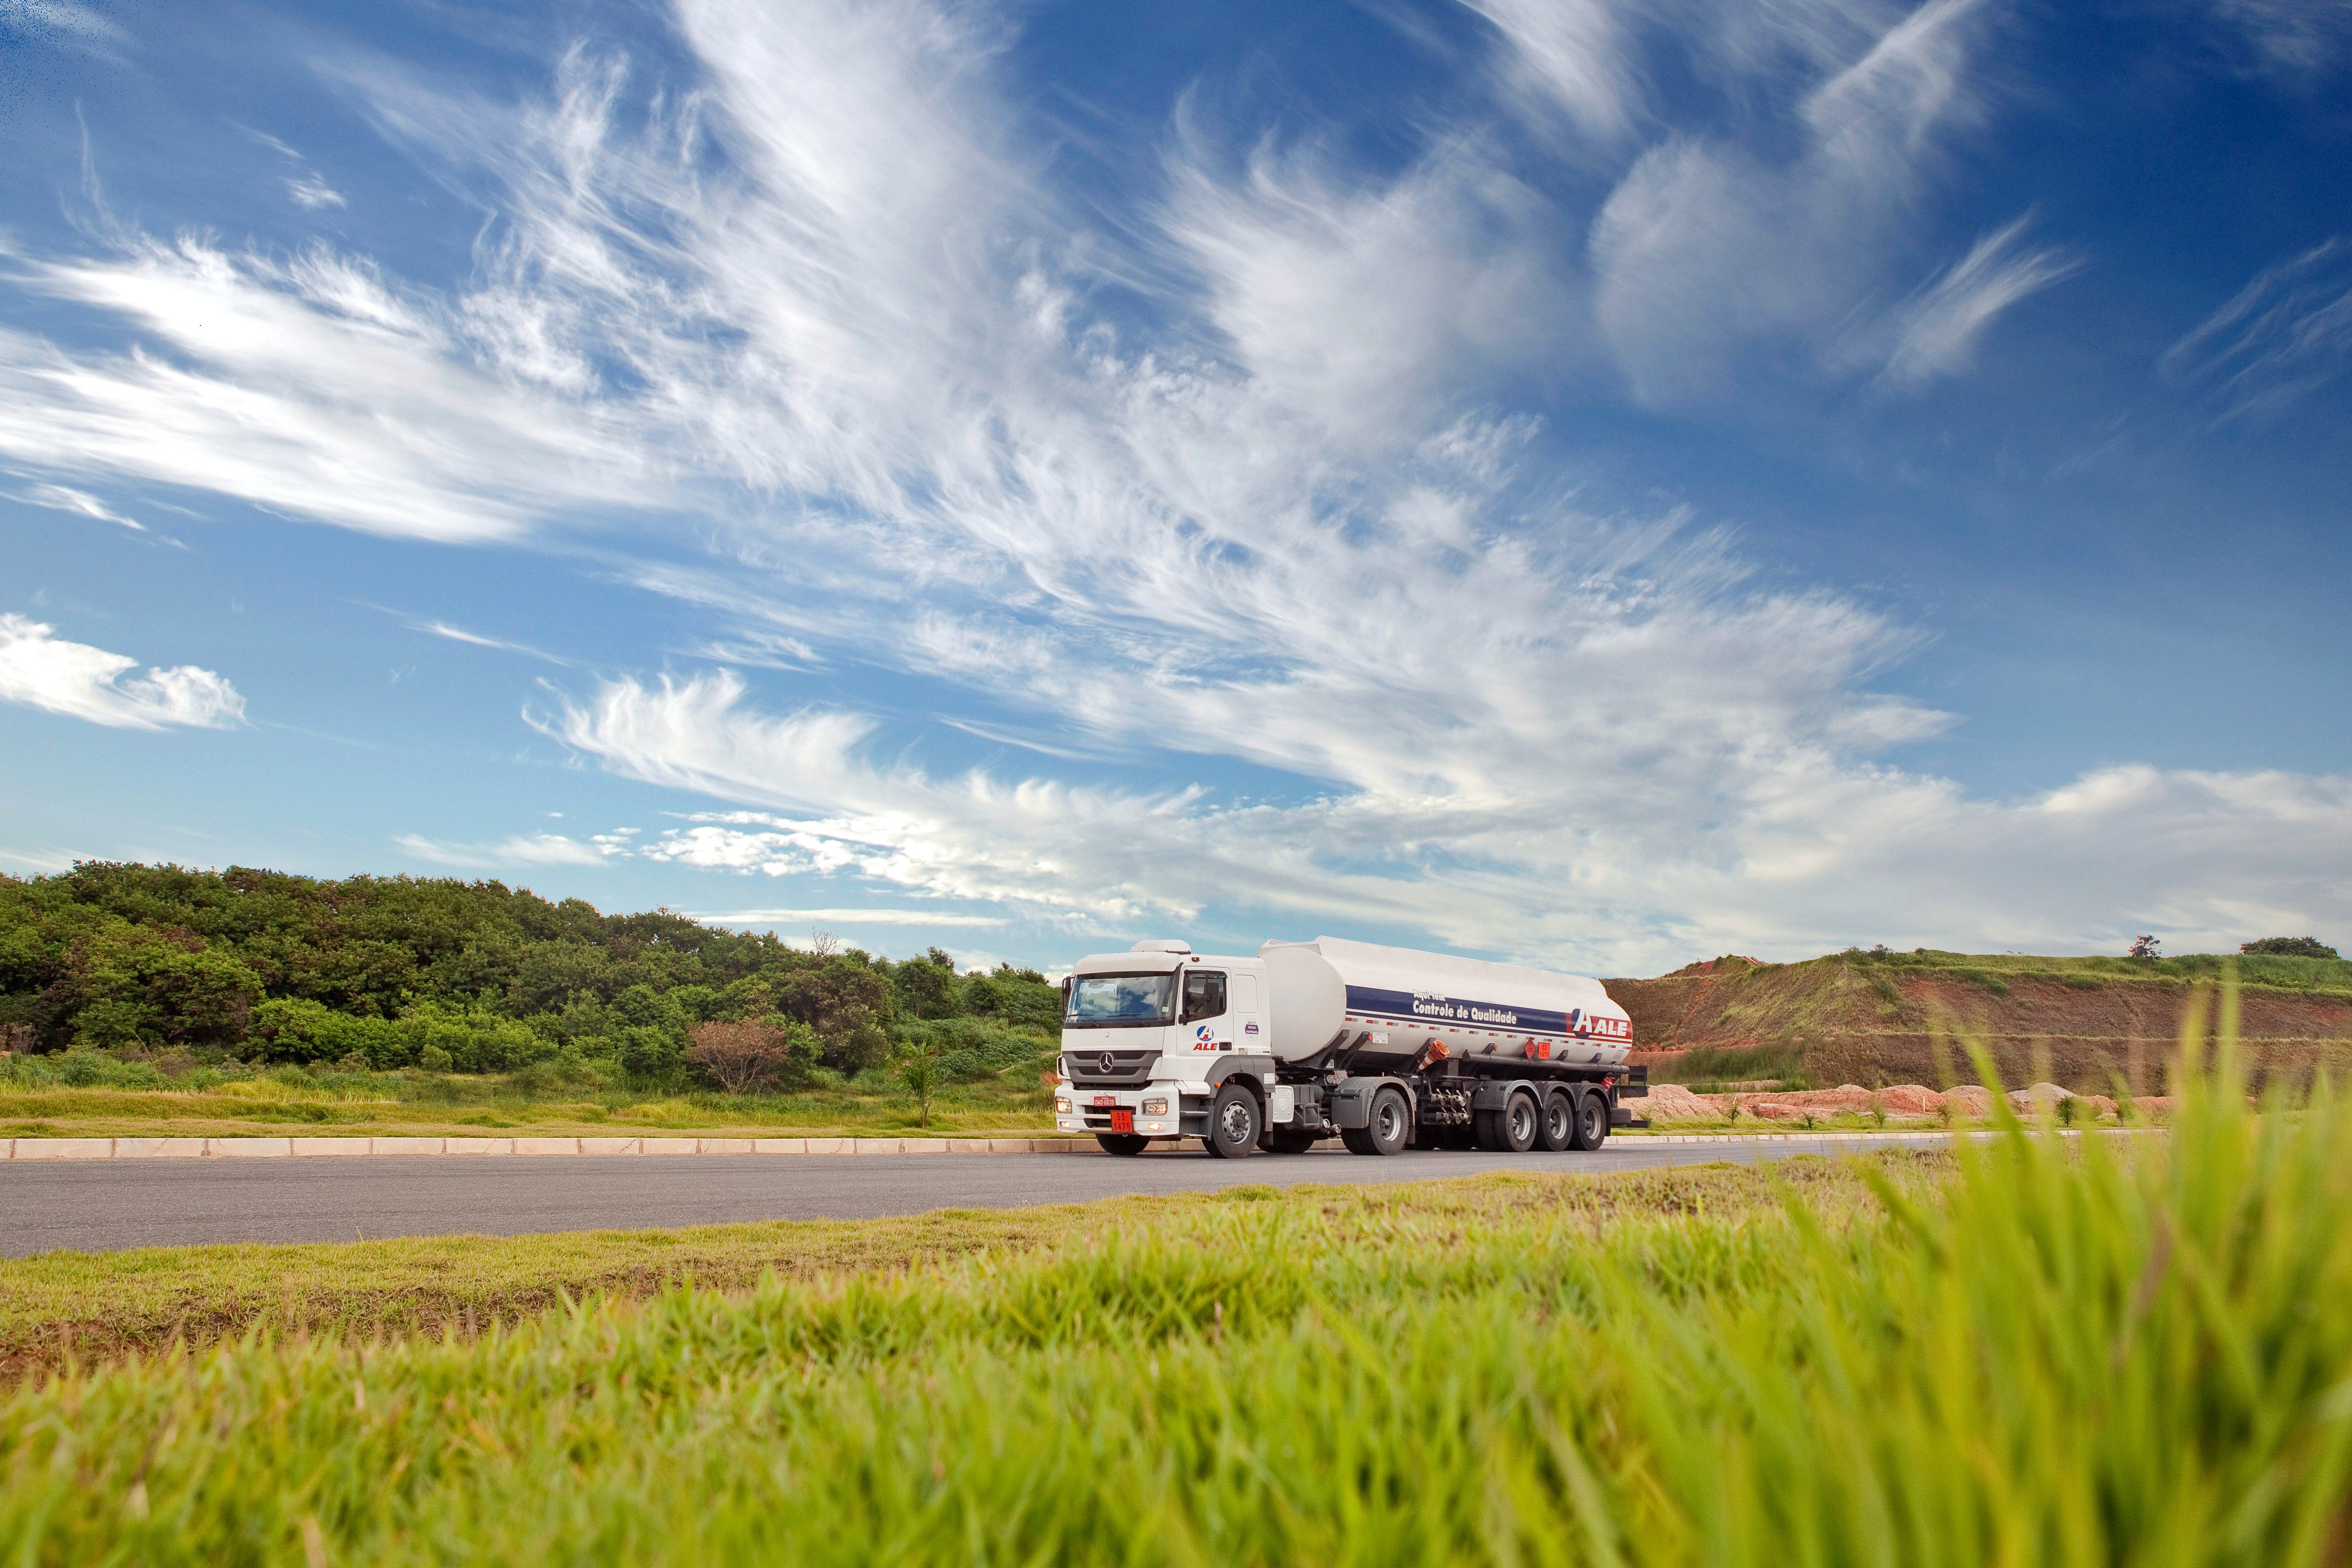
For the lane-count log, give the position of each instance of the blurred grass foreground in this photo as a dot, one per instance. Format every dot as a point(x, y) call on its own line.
point(2111, 1349)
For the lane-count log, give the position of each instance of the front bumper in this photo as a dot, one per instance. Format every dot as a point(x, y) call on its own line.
point(1187, 1115)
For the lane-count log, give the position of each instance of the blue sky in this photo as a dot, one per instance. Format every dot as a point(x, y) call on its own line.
point(1595, 484)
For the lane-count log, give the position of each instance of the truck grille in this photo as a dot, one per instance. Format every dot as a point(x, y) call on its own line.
point(1108, 1070)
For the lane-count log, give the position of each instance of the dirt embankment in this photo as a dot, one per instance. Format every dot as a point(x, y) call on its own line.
point(1877, 1025)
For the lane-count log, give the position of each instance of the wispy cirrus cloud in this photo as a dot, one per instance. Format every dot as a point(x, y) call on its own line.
point(1935, 332)
point(847, 917)
point(521, 849)
point(40, 670)
point(308, 385)
point(64, 498)
point(2288, 334)
point(1877, 103)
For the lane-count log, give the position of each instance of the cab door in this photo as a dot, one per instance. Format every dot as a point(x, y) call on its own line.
point(1249, 1022)
point(1207, 1020)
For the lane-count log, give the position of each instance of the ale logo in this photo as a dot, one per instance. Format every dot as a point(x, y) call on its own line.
point(1203, 1039)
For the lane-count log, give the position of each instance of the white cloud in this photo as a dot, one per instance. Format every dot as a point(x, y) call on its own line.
point(311, 191)
point(308, 385)
point(1570, 54)
point(521, 849)
point(64, 498)
point(33, 17)
point(39, 670)
point(1805, 855)
point(849, 917)
point(1935, 332)
point(476, 640)
point(2296, 39)
point(2285, 334)
point(1709, 257)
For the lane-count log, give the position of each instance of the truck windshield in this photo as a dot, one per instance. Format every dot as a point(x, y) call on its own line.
point(1120, 1001)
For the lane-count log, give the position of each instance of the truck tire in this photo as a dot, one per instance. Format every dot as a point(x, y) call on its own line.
point(1556, 1129)
point(1512, 1130)
point(1121, 1143)
point(1290, 1139)
point(1591, 1122)
point(1233, 1123)
point(1385, 1134)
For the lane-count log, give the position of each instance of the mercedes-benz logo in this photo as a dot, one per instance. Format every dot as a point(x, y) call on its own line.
point(1105, 1062)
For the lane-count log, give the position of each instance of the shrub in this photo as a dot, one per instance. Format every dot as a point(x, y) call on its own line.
point(916, 1064)
point(2290, 947)
point(649, 1054)
point(742, 1057)
point(971, 1050)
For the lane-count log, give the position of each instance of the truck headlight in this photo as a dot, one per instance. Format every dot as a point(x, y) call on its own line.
point(1155, 1108)
point(1061, 1105)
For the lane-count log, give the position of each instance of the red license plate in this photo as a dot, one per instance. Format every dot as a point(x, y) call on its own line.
point(1122, 1120)
point(1103, 1100)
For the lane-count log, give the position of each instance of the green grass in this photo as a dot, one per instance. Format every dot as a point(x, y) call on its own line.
point(2094, 1351)
point(2325, 976)
point(83, 1307)
point(1705, 1068)
point(398, 1104)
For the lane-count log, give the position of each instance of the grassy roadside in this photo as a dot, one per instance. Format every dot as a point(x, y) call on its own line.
point(85, 1307)
point(389, 1105)
point(2059, 1351)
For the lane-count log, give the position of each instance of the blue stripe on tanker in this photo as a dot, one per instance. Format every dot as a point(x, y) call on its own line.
point(1454, 1012)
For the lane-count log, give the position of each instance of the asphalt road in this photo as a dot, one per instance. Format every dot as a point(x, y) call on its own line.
point(103, 1205)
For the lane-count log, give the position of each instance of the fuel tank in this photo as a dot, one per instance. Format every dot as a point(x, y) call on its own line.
point(1322, 989)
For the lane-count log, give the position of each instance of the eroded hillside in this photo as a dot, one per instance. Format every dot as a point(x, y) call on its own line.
point(1875, 1017)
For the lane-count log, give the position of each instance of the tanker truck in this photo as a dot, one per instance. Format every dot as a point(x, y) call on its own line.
point(1379, 1047)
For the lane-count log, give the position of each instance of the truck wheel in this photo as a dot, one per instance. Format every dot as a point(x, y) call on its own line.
point(1591, 1122)
point(1121, 1143)
point(1556, 1129)
point(1233, 1123)
point(1391, 1125)
point(1511, 1130)
point(1290, 1139)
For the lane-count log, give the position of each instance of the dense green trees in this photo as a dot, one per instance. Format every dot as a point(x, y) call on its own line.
point(445, 974)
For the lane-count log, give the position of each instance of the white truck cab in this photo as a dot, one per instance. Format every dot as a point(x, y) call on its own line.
point(1148, 1036)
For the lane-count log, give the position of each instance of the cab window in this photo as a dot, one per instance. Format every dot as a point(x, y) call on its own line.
point(1205, 996)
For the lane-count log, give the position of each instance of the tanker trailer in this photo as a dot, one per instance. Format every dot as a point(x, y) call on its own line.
point(1383, 1047)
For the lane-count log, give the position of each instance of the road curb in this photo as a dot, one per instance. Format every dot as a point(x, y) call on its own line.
point(476, 1148)
point(59, 1149)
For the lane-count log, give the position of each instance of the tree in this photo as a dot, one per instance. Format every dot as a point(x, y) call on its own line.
point(927, 987)
point(2291, 947)
point(847, 1003)
point(915, 1063)
point(742, 1057)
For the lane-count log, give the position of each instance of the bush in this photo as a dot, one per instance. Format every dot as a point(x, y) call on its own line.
point(2290, 947)
point(649, 1055)
point(969, 1050)
point(745, 1056)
